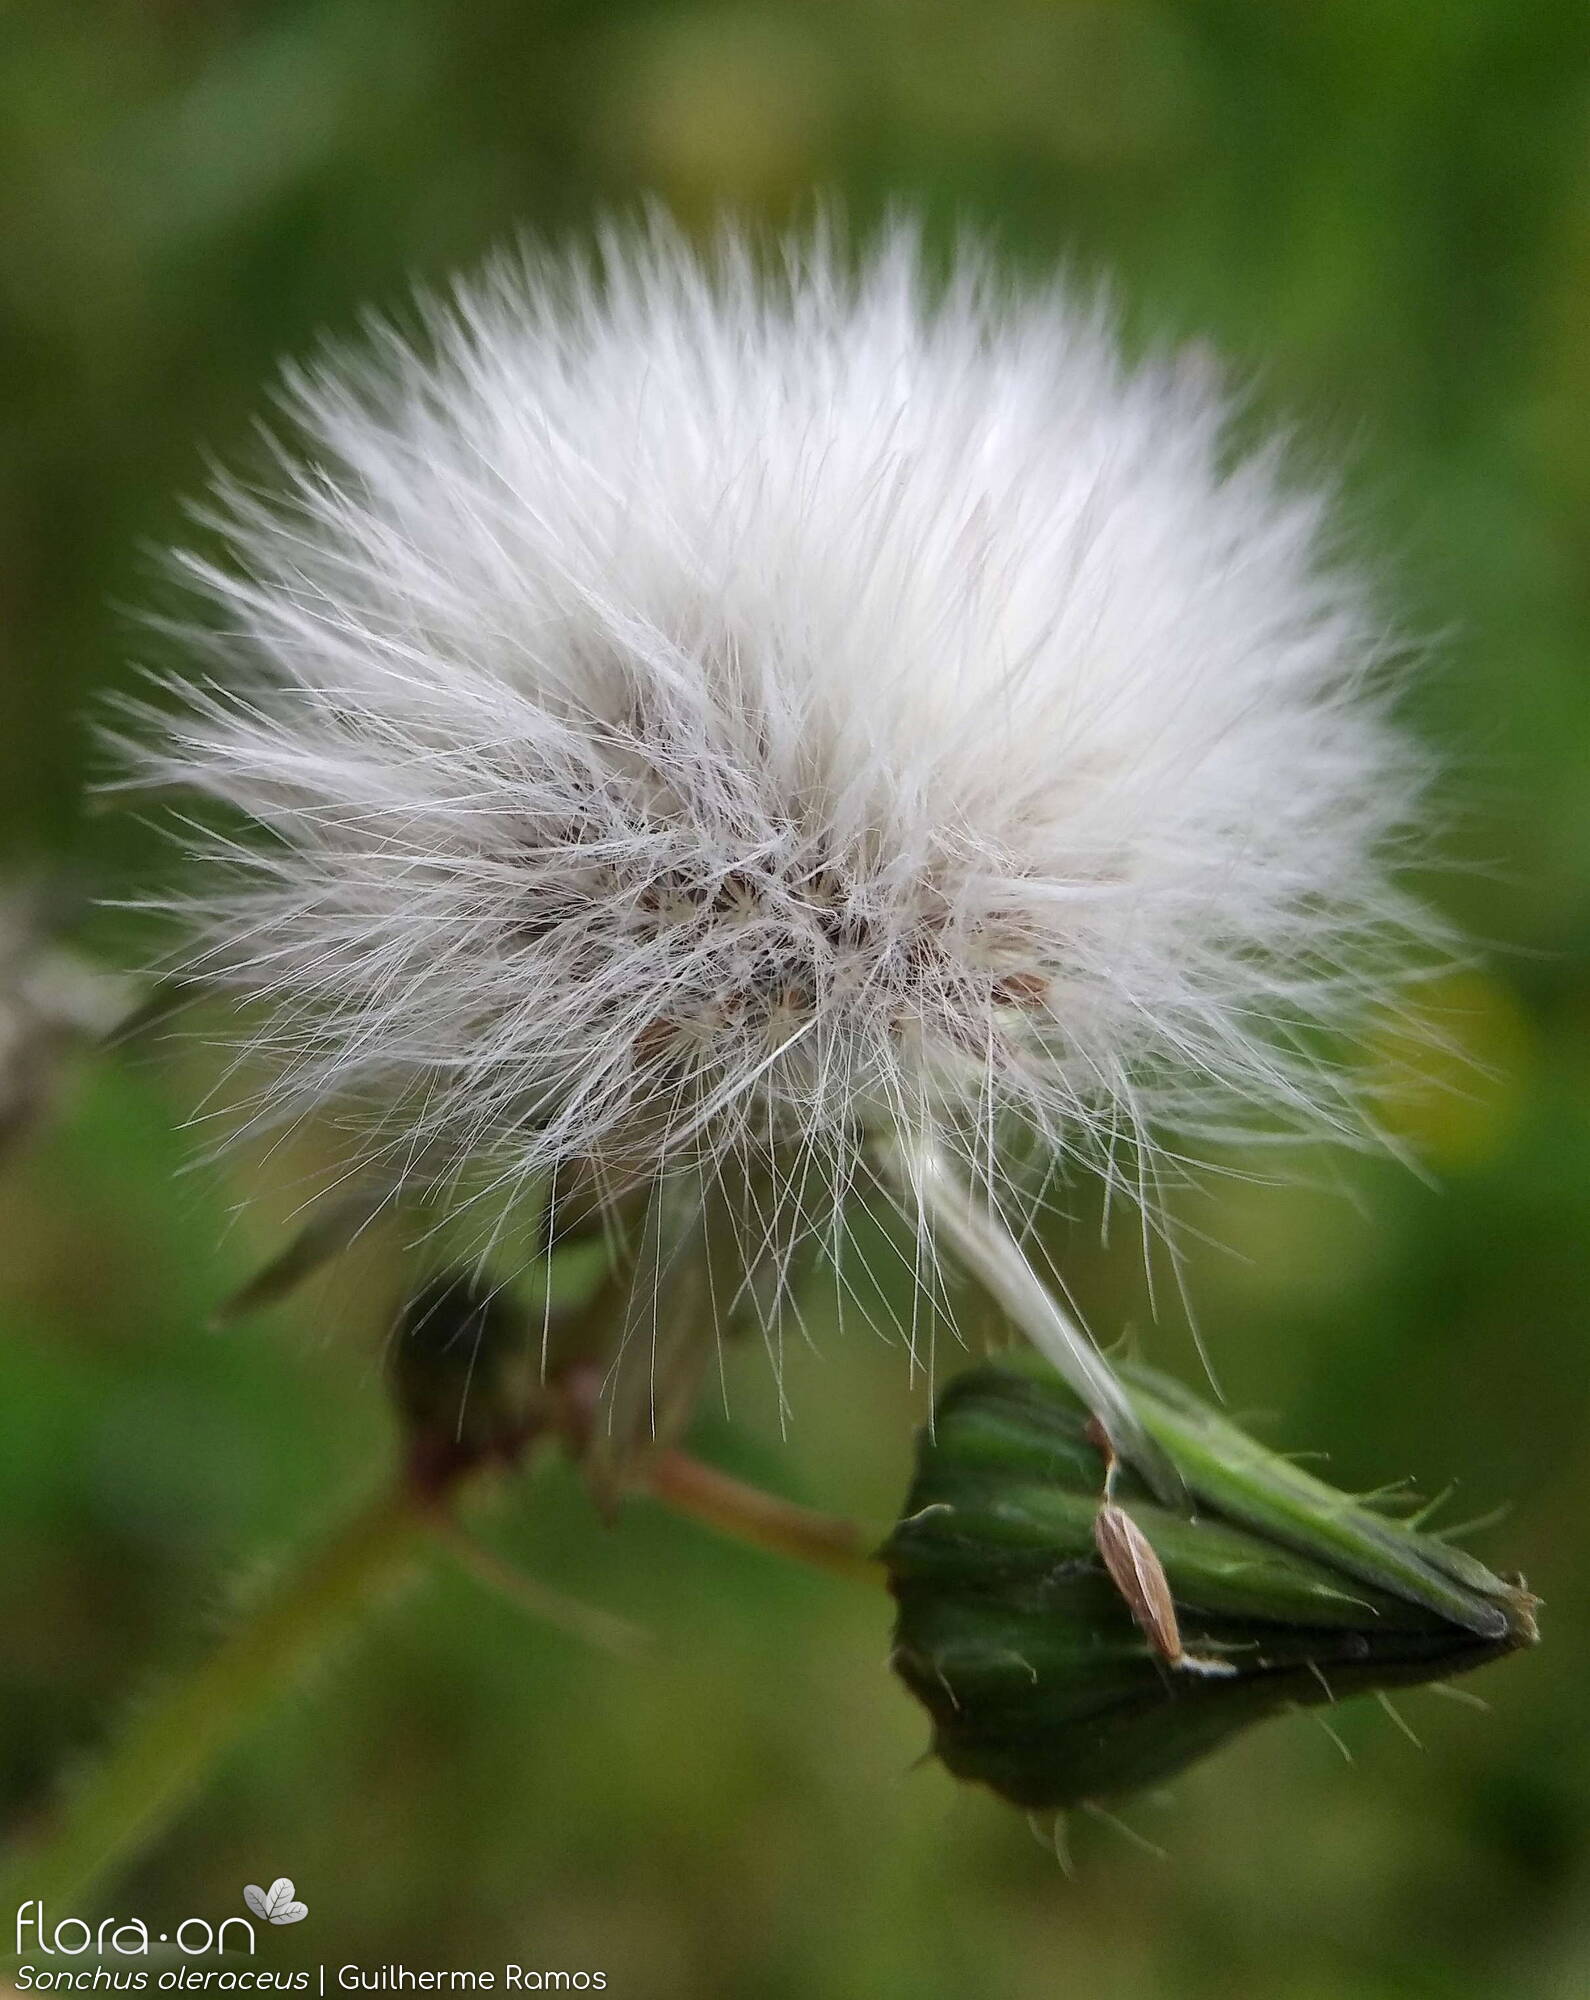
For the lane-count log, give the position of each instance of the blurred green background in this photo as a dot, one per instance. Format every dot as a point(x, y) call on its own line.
point(1379, 211)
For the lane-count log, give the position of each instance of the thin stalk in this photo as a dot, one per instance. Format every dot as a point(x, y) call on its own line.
point(155, 1770)
point(603, 1630)
point(992, 1255)
point(823, 1541)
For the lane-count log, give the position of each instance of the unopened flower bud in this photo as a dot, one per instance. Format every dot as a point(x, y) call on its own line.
point(459, 1376)
point(1072, 1639)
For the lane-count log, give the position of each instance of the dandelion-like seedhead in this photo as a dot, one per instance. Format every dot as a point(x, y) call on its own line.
point(700, 706)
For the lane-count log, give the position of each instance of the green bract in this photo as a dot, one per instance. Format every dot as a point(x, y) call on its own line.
point(459, 1377)
point(1040, 1680)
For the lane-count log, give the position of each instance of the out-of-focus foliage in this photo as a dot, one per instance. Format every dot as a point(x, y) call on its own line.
point(1380, 212)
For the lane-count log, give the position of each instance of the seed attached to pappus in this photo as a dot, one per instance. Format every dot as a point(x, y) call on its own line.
point(1021, 989)
point(973, 700)
point(1137, 1572)
point(1139, 1575)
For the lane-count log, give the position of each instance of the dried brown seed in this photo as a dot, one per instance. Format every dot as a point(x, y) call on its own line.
point(1021, 989)
point(1139, 1576)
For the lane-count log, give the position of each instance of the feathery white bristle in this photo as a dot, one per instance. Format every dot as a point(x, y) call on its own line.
point(691, 704)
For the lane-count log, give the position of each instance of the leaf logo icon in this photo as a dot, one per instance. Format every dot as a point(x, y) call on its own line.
point(275, 1904)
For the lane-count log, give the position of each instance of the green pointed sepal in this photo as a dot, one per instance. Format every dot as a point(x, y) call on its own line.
point(1065, 1658)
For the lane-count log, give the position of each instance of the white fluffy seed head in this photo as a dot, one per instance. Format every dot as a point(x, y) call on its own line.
point(690, 705)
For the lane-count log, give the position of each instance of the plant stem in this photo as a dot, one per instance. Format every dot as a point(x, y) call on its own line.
point(824, 1541)
point(157, 1767)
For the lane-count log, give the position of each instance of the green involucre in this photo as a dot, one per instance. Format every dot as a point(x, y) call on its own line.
point(1287, 1593)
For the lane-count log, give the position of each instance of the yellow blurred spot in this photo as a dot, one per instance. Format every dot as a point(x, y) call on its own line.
point(1093, 82)
point(715, 109)
point(1448, 1072)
